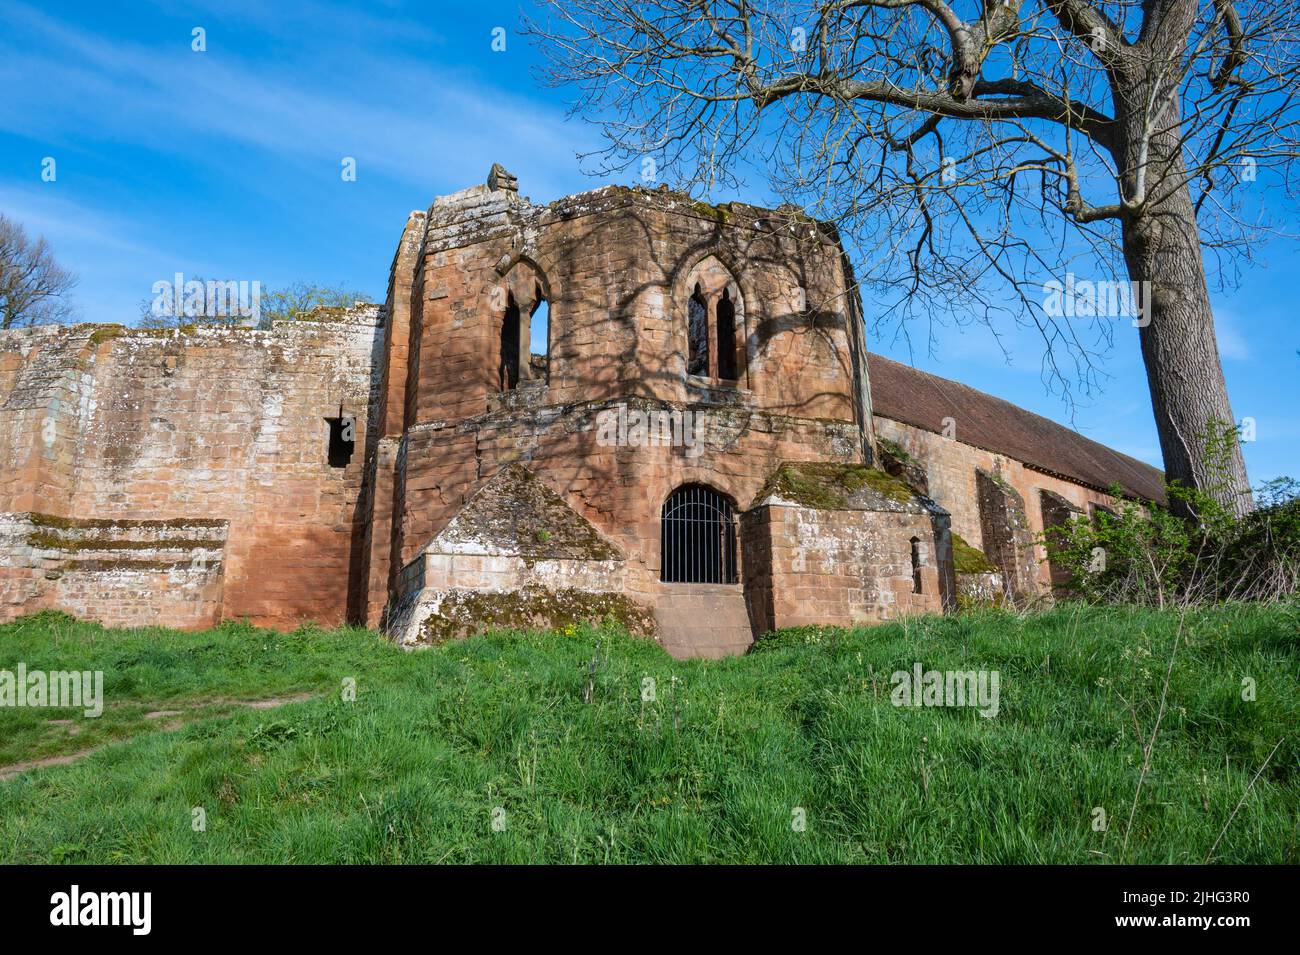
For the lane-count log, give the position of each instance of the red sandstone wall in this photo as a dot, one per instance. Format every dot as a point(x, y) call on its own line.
point(619, 489)
point(117, 572)
point(224, 423)
point(951, 465)
point(840, 568)
point(228, 423)
point(616, 266)
point(44, 379)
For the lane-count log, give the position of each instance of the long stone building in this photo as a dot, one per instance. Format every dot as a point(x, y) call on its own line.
point(622, 404)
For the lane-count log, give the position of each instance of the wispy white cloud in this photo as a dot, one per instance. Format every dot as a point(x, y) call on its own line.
point(217, 163)
point(406, 119)
point(115, 258)
point(306, 18)
point(1233, 345)
point(46, 212)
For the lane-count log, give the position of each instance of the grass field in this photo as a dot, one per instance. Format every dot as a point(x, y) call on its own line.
point(518, 748)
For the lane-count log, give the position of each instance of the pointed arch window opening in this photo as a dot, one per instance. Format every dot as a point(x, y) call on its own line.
point(726, 325)
point(525, 340)
point(510, 331)
point(697, 311)
point(539, 337)
point(715, 333)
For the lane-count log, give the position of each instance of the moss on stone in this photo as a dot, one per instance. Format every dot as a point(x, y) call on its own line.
point(465, 612)
point(896, 450)
point(968, 603)
point(515, 513)
point(830, 486)
point(997, 478)
point(170, 331)
point(48, 540)
point(967, 559)
point(105, 333)
point(322, 313)
point(718, 214)
point(103, 566)
point(83, 523)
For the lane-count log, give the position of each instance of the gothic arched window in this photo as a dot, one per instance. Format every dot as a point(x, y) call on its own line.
point(715, 323)
point(510, 329)
point(524, 348)
point(697, 335)
point(727, 358)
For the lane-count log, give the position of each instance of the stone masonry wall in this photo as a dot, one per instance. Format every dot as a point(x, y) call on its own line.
point(1057, 512)
point(118, 572)
point(617, 267)
point(44, 395)
point(843, 567)
point(950, 467)
point(110, 435)
point(620, 490)
point(1004, 531)
point(435, 589)
point(103, 423)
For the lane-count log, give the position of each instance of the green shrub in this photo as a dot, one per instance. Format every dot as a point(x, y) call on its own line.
point(1147, 554)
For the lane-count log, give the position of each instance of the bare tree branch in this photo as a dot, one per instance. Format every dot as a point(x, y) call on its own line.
point(973, 152)
point(33, 287)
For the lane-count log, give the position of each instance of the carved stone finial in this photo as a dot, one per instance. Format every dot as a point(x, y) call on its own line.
point(499, 178)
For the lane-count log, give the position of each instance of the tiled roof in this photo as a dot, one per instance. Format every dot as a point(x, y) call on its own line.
point(922, 400)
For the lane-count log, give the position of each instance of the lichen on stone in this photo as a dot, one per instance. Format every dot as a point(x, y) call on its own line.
point(515, 513)
point(103, 566)
point(328, 313)
point(462, 613)
point(896, 450)
point(39, 519)
point(106, 333)
point(46, 540)
point(718, 214)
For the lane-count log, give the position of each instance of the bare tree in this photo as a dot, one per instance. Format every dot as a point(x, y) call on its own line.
point(975, 154)
point(33, 287)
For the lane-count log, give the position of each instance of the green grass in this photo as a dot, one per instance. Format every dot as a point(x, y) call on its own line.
point(712, 770)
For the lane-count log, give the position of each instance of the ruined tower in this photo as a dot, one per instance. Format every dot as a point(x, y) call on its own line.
point(688, 352)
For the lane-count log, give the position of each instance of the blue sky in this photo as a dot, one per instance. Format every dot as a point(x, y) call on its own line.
point(226, 164)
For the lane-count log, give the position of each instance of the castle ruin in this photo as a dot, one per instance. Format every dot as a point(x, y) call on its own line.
point(623, 404)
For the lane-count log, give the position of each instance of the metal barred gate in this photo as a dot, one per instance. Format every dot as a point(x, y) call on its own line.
point(698, 537)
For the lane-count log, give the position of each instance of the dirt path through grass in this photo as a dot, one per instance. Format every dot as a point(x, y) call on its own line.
point(174, 720)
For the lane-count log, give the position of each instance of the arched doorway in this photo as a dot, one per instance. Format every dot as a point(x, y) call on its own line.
point(697, 537)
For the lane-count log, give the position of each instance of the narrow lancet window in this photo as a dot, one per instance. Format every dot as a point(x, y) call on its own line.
point(727, 338)
point(510, 356)
point(916, 565)
point(697, 335)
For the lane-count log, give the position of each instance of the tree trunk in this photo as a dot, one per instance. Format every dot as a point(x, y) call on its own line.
point(1188, 391)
